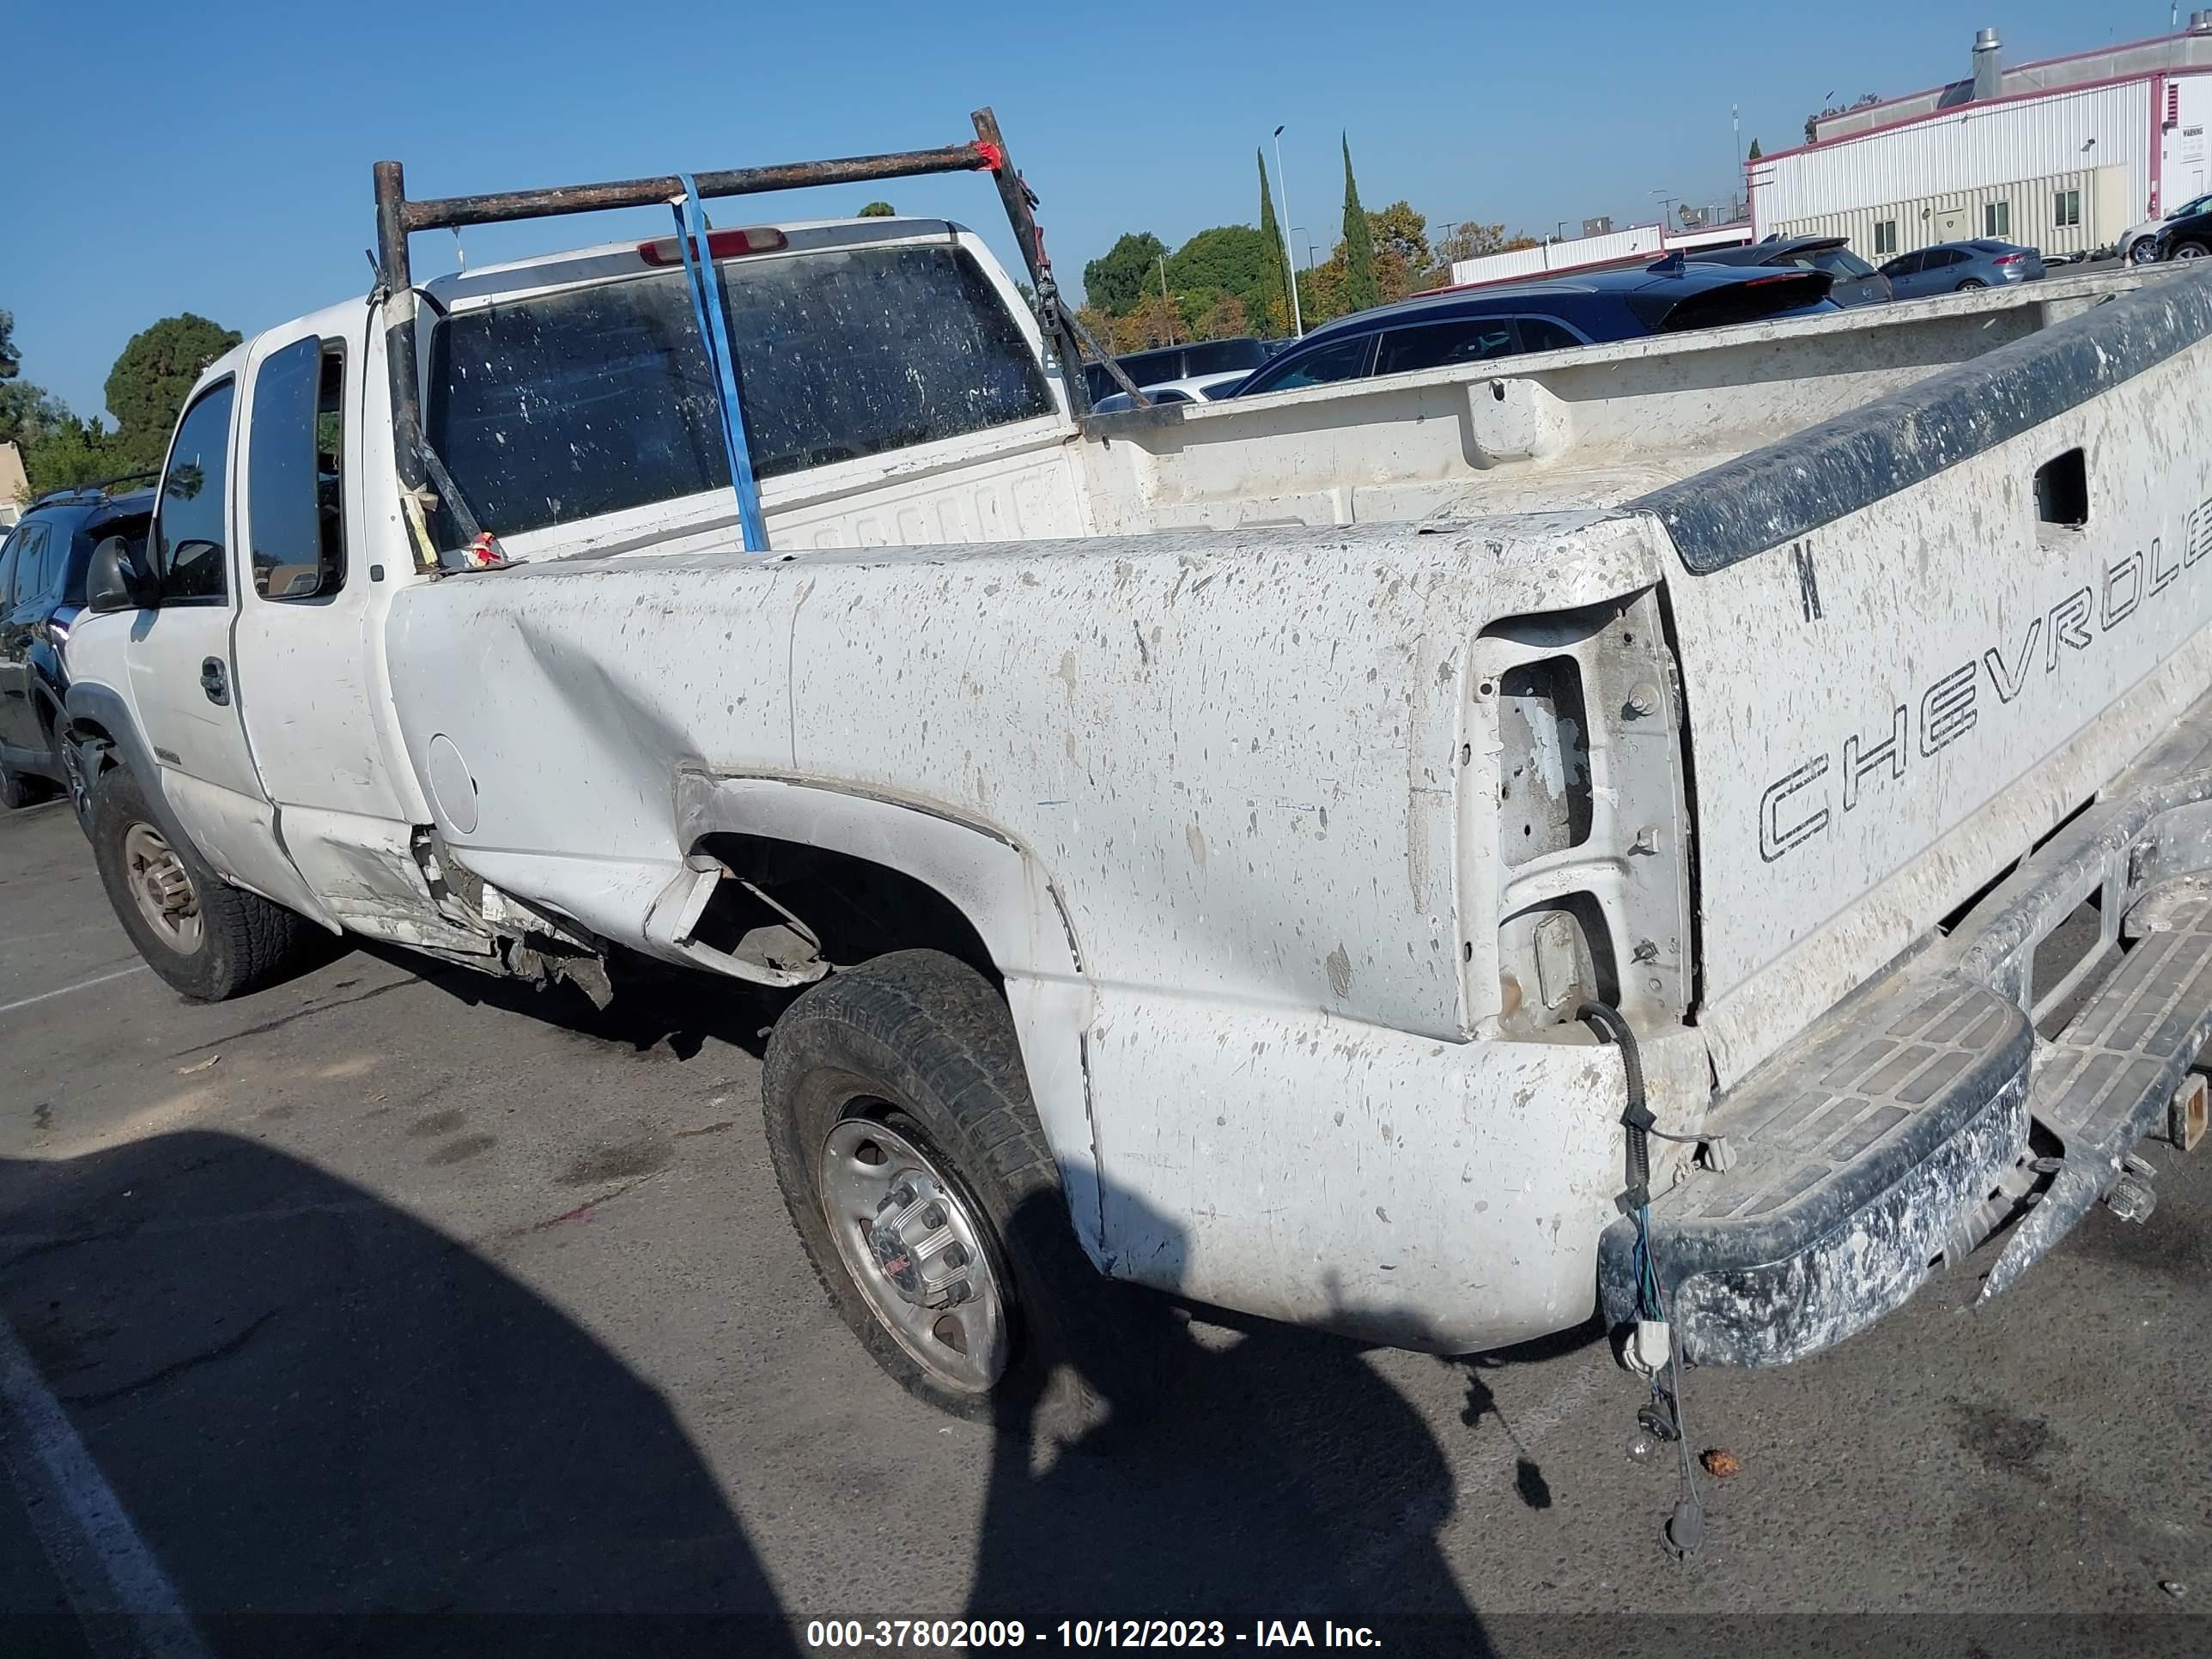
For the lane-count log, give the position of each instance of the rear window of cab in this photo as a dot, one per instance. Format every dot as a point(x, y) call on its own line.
point(559, 407)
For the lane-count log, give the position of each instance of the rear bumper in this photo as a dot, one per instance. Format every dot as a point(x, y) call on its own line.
point(1869, 1145)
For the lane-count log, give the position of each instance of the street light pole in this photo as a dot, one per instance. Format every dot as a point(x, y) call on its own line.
point(1166, 300)
point(1290, 261)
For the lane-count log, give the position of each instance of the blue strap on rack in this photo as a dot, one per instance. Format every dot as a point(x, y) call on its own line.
point(714, 335)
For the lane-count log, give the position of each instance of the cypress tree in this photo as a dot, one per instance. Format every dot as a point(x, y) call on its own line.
point(1360, 290)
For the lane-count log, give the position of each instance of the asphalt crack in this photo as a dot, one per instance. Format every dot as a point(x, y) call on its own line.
point(223, 1350)
point(297, 1013)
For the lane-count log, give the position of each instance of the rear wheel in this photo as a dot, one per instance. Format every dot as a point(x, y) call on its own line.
point(908, 1149)
point(207, 940)
point(1972, 282)
point(2190, 251)
point(16, 789)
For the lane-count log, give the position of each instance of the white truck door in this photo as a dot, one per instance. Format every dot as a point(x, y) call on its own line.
point(182, 676)
point(309, 685)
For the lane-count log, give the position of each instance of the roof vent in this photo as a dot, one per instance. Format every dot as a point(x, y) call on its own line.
point(1989, 74)
point(2200, 22)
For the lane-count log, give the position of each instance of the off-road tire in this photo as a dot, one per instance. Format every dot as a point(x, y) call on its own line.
point(923, 1043)
point(245, 941)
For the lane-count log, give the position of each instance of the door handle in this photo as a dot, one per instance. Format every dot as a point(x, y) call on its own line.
point(213, 681)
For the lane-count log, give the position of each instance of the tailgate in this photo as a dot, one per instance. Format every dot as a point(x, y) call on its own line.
point(1914, 637)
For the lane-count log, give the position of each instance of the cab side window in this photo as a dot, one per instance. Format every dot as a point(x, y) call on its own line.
point(8, 549)
point(1547, 334)
point(22, 567)
point(1435, 345)
point(1324, 366)
point(296, 515)
point(38, 566)
point(189, 542)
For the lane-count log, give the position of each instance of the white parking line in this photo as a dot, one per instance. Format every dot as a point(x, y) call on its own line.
point(129, 1609)
point(82, 985)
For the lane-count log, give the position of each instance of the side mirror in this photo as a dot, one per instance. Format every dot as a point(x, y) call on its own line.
point(113, 581)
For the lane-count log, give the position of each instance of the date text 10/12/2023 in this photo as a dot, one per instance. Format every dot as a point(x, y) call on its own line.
point(879, 1633)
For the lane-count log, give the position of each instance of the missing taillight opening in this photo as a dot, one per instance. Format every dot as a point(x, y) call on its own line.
point(2061, 489)
point(1543, 776)
point(721, 245)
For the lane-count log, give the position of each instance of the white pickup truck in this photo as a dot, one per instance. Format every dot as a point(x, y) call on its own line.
point(1431, 857)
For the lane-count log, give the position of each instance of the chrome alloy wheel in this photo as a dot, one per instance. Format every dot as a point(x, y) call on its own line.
point(162, 887)
point(913, 1242)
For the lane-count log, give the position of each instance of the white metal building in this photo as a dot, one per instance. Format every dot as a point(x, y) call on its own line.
point(1590, 252)
point(2062, 154)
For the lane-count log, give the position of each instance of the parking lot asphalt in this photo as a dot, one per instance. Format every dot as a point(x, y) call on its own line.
point(394, 1292)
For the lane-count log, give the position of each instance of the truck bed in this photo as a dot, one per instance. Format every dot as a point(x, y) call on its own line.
point(1563, 431)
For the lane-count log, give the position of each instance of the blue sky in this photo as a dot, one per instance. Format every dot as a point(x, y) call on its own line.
point(216, 157)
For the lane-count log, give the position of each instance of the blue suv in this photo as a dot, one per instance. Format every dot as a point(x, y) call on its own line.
point(1437, 330)
point(42, 568)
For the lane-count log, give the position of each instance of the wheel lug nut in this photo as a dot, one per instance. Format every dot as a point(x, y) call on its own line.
point(955, 1257)
point(933, 1216)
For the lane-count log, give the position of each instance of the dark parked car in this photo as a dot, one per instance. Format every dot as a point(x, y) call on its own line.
point(1948, 267)
point(1856, 282)
point(42, 569)
point(2187, 235)
point(1182, 363)
point(1476, 325)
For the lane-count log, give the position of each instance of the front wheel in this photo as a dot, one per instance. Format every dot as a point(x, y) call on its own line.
point(909, 1154)
point(209, 940)
point(2190, 251)
point(2142, 251)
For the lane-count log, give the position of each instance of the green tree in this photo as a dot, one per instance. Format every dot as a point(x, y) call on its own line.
point(1360, 290)
point(1233, 259)
point(1755, 151)
point(1275, 311)
point(878, 211)
point(11, 361)
point(28, 413)
point(70, 453)
point(1120, 277)
point(147, 385)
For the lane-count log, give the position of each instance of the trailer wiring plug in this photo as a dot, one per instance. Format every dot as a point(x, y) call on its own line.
point(1651, 1344)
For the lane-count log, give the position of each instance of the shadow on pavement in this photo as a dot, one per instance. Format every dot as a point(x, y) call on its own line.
point(343, 1431)
point(1278, 1477)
